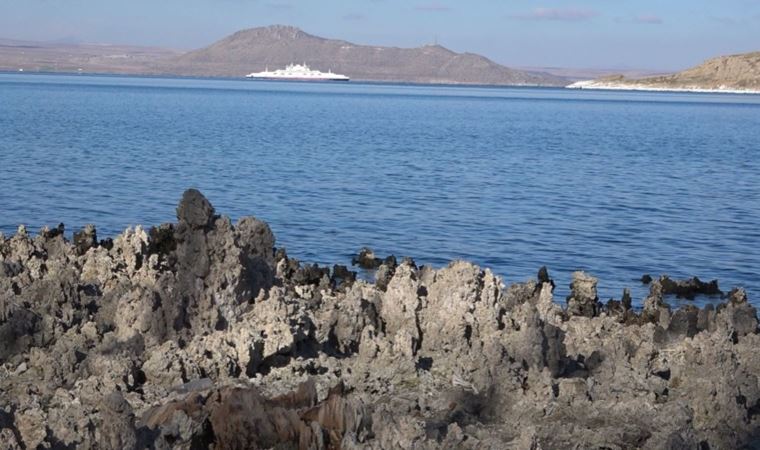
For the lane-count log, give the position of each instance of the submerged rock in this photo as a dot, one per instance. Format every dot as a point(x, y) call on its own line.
point(366, 259)
point(200, 335)
point(689, 288)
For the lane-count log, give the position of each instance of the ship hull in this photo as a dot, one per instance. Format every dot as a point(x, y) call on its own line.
point(296, 79)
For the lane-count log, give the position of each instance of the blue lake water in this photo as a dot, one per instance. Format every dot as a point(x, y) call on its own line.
point(615, 183)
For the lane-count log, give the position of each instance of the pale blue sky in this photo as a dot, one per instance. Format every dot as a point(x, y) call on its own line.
point(649, 34)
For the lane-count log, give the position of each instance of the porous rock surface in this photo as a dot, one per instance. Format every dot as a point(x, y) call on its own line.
point(200, 334)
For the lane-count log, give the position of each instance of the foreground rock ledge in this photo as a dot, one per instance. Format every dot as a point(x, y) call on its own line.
point(200, 334)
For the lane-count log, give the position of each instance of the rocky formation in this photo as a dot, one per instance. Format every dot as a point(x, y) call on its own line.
point(201, 334)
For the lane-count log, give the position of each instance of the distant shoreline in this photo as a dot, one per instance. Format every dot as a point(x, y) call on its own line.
point(354, 81)
point(590, 85)
point(600, 86)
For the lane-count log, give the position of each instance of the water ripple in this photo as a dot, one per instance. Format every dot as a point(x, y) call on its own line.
point(619, 184)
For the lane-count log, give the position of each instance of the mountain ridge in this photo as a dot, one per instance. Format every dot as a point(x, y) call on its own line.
point(255, 49)
point(275, 46)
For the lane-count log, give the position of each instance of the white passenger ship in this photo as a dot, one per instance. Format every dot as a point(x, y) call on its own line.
point(297, 72)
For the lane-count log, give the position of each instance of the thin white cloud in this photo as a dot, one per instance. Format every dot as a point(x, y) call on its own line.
point(725, 20)
point(557, 14)
point(279, 5)
point(648, 19)
point(642, 19)
point(354, 17)
point(432, 7)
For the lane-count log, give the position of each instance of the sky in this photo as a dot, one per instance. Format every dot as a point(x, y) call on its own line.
point(643, 34)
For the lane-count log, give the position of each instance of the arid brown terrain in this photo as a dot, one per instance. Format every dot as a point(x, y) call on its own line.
point(724, 73)
point(72, 58)
point(274, 47)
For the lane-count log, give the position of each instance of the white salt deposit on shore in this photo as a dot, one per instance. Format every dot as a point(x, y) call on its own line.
point(600, 85)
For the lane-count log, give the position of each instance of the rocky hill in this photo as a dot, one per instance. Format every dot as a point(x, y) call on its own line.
point(740, 73)
point(276, 46)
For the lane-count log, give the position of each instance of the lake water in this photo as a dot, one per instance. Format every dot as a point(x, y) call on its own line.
point(615, 183)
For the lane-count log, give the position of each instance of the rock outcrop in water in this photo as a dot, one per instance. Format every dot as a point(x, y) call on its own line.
point(200, 335)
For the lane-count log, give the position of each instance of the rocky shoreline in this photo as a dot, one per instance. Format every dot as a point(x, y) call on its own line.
point(201, 334)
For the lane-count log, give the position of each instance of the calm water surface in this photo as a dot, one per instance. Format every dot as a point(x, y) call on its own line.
point(615, 183)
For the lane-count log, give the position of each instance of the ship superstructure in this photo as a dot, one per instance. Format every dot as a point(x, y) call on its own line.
point(297, 72)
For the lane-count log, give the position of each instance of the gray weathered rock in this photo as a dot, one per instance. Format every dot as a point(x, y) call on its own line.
point(198, 334)
point(583, 300)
